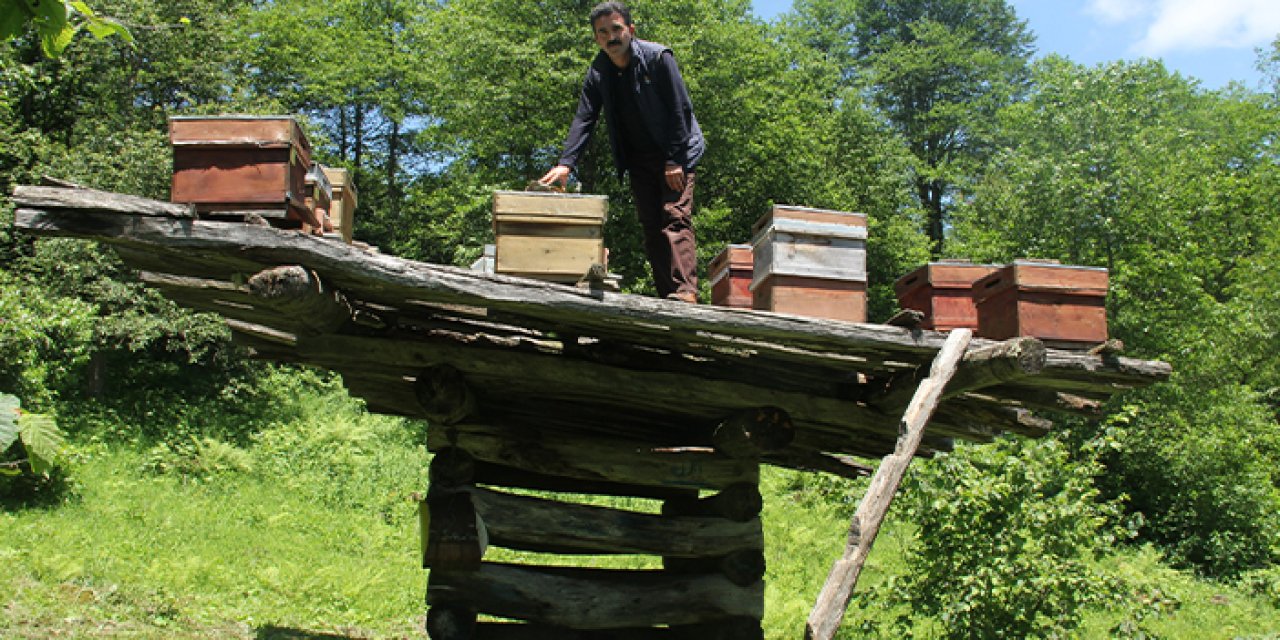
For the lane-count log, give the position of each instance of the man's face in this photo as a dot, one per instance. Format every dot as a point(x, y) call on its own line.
point(613, 34)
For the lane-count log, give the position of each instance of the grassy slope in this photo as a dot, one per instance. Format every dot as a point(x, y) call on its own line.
point(270, 554)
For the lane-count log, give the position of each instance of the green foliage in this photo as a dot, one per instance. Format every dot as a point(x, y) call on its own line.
point(31, 449)
point(1006, 536)
point(53, 21)
point(1132, 168)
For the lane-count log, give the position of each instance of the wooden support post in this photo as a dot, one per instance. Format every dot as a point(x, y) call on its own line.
point(739, 502)
point(456, 535)
point(834, 598)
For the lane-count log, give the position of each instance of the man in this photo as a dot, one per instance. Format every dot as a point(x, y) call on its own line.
point(654, 138)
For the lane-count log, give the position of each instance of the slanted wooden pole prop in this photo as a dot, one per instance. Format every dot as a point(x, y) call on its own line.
point(834, 598)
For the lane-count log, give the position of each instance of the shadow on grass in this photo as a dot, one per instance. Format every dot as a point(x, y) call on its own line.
point(271, 632)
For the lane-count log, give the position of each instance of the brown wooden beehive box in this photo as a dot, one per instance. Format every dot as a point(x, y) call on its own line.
point(319, 198)
point(343, 208)
point(811, 262)
point(943, 292)
point(730, 273)
point(1060, 304)
point(548, 236)
point(239, 164)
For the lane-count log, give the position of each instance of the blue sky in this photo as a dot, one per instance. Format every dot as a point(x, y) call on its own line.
point(1213, 41)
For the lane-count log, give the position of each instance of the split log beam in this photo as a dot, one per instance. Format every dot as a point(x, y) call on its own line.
point(751, 433)
point(729, 629)
point(834, 597)
point(551, 526)
point(589, 458)
point(498, 475)
point(836, 464)
point(301, 298)
point(82, 200)
point(741, 502)
point(743, 568)
point(452, 468)
point(451, 623)
point(983, 367)
point(444, 394)
point(594, 598)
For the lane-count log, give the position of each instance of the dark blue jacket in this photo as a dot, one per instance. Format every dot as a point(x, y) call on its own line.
point(661, 96)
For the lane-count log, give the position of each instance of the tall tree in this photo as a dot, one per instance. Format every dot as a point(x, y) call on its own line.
point(1171, 187)
point(938, 70)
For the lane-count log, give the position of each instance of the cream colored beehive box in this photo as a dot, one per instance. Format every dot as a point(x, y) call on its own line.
point(546, 235)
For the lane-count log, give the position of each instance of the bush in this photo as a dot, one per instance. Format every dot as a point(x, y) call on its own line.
point(1006, 534)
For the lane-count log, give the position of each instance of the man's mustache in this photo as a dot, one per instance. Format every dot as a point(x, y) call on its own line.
point(613, 42)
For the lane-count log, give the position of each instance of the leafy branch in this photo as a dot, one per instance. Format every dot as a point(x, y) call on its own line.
point(57, 22)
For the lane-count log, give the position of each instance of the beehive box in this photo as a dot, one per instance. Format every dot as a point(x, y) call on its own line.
point(943, 292)
point(343, 208)
point(730, 273)
point(811, 262)
point(548, 236)
point(319, 196)
point(238, 164)
point(1060, 304)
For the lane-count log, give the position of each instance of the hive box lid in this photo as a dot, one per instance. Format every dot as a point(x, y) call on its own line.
point(944, 274)
point(237, 131)
point(588, 209)
point(781, 212)
point(734, 256)
point(1044, 276)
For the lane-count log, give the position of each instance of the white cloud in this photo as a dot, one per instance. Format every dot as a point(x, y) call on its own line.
point(1117, 11)
point(1192, 25)
point(1181, 25)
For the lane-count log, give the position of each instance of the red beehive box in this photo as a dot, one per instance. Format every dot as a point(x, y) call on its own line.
point(239, 164)
point(1054, 302)
point(943, 292)
point(811, 262)
point(730, 273)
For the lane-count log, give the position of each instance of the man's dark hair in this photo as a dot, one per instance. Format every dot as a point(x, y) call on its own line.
point(606, 8)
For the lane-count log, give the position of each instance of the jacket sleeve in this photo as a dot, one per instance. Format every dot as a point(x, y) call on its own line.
point(675, 95)
point(584, 120)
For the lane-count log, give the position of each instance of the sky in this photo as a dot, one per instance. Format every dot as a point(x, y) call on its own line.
point(1214, 41)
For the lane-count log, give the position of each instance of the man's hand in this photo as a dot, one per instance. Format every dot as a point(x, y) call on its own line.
point(558, 173)
point(675, 177)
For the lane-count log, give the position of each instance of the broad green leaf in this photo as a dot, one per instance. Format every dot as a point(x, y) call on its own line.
point(9, 406)
point(55, 44)
point(13, 15)
point(82, 8)
point(42, 439)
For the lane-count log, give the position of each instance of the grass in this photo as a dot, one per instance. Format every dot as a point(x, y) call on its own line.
point(311, 532)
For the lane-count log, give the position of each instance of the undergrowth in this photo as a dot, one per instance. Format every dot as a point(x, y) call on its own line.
point(304, 522)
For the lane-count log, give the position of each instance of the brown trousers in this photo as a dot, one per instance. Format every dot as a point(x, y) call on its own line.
point(666, 218)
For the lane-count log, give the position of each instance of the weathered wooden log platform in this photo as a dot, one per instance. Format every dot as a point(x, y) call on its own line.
point(549, 358)
point(532, 385)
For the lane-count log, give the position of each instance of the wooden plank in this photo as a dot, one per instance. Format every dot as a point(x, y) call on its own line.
point(834, 597)
point(599, 459)
point(594, 598)
point(538, 524)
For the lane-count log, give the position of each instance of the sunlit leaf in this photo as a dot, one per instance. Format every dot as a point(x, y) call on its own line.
point(9, 406)
point(42, 440)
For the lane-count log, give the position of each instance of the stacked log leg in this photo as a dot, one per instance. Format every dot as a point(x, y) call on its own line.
point(708, 534)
